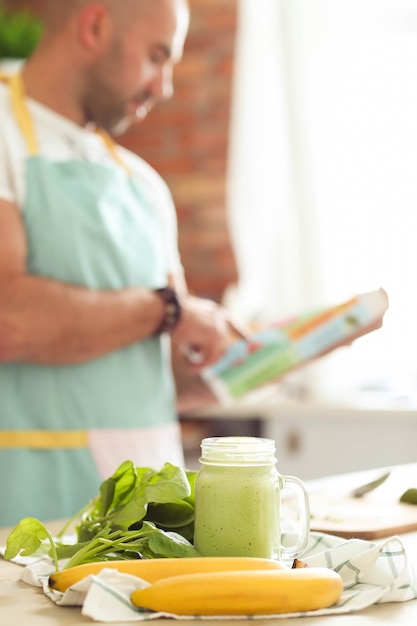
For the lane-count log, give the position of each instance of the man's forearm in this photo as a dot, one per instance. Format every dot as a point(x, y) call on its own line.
point(46, 322)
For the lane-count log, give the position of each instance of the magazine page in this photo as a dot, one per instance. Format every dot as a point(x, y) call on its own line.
point(279, 348)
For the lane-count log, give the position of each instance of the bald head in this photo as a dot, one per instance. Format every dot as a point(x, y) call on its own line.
point(56, 12)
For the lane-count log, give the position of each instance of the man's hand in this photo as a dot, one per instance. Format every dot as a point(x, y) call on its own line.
point(205, 332)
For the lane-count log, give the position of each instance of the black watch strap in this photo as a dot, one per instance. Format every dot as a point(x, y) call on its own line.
point(173, 311)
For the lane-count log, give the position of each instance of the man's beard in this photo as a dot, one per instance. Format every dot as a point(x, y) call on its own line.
point(109, 113)
point(100, 109)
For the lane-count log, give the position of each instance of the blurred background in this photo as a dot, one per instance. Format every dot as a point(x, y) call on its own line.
point(290, 148)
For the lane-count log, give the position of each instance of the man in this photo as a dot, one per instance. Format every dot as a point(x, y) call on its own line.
point(91, 284)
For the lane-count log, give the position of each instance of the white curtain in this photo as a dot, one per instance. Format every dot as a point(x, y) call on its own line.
point(264, 224)
point(323, 175)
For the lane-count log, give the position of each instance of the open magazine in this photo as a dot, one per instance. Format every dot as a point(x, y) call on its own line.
point(281, 347)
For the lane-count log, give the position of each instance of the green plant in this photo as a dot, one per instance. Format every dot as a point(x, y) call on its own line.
point(19, 34)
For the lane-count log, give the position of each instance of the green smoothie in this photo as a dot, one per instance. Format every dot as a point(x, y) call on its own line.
point(237, 511)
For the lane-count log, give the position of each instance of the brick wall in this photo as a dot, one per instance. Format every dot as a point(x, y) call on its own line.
point(186, 140)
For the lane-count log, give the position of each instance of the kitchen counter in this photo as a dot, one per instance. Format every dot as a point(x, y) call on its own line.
point(27, 606)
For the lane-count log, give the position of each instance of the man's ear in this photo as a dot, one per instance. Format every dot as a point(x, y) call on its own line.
point(94, 27)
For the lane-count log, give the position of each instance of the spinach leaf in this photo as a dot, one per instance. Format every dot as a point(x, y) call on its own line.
point(117, 490)
point(191, 477)
point(27, 537)
point(169, 515)
point(166, 544)
point(166, 485)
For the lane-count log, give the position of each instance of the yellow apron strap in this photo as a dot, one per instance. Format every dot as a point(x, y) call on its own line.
point(43, 439)
point(111, 147)
point(20, 111)
point(23, 118)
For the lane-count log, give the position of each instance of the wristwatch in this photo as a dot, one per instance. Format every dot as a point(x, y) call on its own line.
point(173, 310)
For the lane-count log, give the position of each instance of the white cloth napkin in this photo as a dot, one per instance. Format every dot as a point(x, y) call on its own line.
point(372, 573)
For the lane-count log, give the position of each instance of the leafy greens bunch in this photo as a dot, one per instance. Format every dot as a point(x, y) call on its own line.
point(20, 32)
point(139, 512)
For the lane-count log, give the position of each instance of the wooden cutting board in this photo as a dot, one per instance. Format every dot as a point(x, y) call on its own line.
point(360, 518)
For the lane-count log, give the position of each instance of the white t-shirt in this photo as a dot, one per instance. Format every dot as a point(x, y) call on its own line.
point(60, 139)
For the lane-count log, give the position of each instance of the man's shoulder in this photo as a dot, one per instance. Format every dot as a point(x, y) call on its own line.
point(141, 168)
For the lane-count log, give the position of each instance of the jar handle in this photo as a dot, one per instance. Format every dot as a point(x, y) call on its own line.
point(291, 552)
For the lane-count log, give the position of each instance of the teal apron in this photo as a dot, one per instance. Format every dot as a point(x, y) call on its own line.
point(91, 225)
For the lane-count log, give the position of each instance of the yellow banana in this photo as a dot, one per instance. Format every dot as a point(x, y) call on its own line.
point(153, 570)
point(243, 592)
